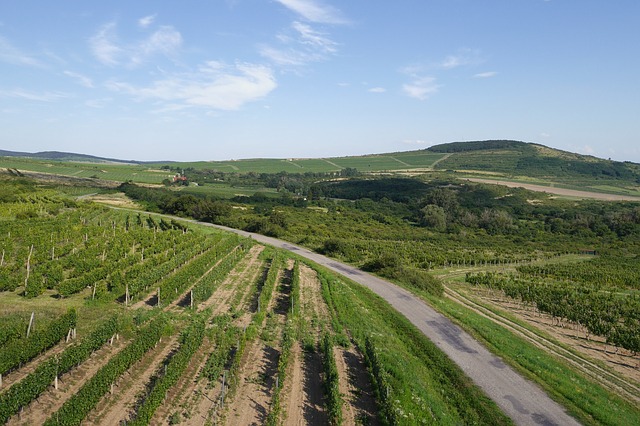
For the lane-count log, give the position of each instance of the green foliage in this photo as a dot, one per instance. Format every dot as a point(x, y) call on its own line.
point(331, 381)
point(612, 315)
point(29, 388)
point(79, 405)
point(190, 340)
point(22, 350)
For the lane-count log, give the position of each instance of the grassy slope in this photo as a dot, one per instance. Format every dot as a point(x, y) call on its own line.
point(504, 160)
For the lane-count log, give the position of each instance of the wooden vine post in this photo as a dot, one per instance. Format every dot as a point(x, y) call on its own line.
point(30, 324)
point(28, 268)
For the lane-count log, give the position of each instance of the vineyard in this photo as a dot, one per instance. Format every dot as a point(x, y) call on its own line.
point(113, 316)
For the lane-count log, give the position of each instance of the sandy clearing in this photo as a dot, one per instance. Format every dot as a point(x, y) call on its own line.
point(558, 191)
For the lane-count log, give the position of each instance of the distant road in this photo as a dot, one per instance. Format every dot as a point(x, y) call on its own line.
point(522, 400)
point(558, 191)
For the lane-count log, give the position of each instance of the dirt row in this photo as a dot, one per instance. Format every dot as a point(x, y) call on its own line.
point(193, 398)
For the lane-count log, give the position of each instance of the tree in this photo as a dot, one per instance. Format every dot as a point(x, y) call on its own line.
point(434, 217)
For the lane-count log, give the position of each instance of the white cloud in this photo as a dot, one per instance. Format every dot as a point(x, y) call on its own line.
point(12, 55)
point(314, 11)
point(107, 49)
point(421, 87)
point(214, 86)
point(377, 90)
point(146, 21)
point(33, 96)
point(487, 74)
point(81, 79)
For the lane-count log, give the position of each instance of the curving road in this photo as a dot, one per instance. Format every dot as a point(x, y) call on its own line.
point(522, 400)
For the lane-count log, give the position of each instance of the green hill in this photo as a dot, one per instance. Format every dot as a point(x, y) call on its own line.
point(528, 159)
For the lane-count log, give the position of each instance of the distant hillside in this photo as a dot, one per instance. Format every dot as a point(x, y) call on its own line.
point(530, 159)
point(63, 156)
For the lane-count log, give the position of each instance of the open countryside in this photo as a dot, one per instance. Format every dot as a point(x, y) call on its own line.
point(484, 303)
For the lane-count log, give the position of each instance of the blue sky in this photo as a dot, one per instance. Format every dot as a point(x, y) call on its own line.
point(225, 79)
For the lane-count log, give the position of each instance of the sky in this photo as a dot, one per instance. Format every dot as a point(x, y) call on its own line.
point(231, 79)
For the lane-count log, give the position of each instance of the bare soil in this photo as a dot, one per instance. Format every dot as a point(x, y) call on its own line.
point(250, 406)
point(359, 405)
point(302, 395)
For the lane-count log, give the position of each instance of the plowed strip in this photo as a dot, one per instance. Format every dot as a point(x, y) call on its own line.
point(359, 403)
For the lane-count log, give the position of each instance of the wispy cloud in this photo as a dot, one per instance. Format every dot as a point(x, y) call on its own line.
point(33, 96)
point(103, 45)
point(146, 21)
point(98, 103)
point(314, 39)
point(421, 87)
point(215, 86)
point(107, 49)
point(487, 74)
point(315, 11)
point(462, 58)
point(301, 45)
point(12, 55)
point(83, 80)
point(377, 90)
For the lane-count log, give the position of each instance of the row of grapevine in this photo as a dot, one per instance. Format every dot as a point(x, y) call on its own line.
point(20, 351)
point(152, 274)
point(223, 338)
point(605, 270)
point(289, 336)
point(174, 285)
point(205, 287)
point(267, 289)
point(381, 382)
point(79, 405)
point(615, 316)
point(190, 341)
point(331, 381)
point(29, 388)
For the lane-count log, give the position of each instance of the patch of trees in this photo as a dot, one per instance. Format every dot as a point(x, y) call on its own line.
point(479, 146)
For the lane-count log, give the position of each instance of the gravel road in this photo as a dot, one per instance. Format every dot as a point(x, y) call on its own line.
point(522, 400)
